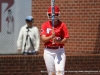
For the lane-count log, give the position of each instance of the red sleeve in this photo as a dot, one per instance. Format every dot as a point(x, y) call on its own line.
point(43, 29)
point(12, 18)
point(65, 31)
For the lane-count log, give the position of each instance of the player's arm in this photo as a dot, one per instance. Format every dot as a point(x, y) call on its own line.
point(65, 35)
point(47, 38)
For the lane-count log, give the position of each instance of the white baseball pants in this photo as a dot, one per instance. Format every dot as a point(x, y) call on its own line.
point(55, 60)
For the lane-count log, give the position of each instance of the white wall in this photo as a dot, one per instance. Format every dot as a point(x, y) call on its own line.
point(20, 10)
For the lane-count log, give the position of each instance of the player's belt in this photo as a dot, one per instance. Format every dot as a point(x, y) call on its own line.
point(53, 47)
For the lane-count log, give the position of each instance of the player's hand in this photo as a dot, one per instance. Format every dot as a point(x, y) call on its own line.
point(53, 33)
point(57, 39)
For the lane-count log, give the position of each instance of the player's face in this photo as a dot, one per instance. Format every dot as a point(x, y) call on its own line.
point(56, 17)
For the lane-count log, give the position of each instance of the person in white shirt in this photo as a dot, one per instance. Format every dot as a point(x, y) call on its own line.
point(29, 38)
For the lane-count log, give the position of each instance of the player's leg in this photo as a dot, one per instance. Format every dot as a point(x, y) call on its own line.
point(7, 28)
point(60, 60)
point(49, 61)
point(10, 27)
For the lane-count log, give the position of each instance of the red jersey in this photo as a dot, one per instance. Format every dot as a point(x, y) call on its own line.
point(60, 29)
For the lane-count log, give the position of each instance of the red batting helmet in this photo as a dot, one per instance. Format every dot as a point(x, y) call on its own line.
point(56, 8)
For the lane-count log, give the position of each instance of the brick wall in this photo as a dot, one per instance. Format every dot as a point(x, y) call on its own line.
point(33, 65)
point(83, 21)
point(83, 47)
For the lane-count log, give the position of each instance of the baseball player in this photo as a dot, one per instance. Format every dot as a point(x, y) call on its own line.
point(29, 38)
point(54, 54)
point(10, 22)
